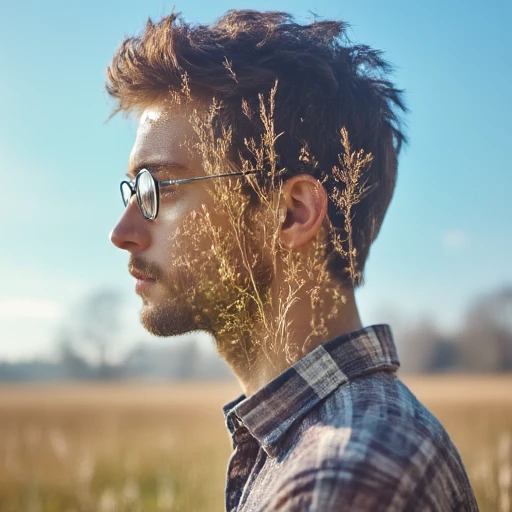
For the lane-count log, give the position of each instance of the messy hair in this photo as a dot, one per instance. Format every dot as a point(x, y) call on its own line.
point(325, 83)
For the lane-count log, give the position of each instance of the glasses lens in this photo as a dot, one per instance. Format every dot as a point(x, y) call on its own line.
point(126, 192)
point(146, 192)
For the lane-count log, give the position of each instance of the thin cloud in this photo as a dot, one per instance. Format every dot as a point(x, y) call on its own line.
point(30, 308)
point(455, 239)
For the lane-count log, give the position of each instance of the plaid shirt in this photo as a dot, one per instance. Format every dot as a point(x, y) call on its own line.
point(339, 431)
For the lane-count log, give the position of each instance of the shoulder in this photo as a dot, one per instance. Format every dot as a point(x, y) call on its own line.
point(372, 446)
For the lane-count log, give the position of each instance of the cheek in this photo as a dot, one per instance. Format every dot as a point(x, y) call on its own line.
point(182, 227)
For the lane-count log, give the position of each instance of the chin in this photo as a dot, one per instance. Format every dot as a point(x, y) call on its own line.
point(163, 320)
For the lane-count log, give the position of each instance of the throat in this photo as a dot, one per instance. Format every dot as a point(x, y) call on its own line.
point(258, 355)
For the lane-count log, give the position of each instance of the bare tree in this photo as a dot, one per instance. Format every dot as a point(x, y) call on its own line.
point(486, 339)
point(418, 349)
point(93, 327)
point(73, 365)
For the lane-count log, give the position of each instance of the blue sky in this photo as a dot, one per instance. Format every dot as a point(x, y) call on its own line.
point(446, 238)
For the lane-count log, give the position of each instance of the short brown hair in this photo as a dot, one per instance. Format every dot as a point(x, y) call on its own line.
point(324, 83)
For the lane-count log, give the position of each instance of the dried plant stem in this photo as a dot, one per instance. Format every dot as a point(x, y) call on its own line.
point(256, 317)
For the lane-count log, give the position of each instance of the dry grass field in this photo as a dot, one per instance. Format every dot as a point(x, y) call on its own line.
point(133, 447)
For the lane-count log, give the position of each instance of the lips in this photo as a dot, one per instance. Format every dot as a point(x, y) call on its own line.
point(144, 281)
point(138, 274)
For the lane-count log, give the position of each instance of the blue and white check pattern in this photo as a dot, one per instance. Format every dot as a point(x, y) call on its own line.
point(338, 431)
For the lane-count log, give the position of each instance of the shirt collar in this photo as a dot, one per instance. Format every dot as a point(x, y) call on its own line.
point(271, 411)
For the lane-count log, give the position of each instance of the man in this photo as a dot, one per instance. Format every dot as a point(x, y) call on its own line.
point(264, 163)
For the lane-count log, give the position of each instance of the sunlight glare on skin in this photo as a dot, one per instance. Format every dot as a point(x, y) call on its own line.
point(150, 115)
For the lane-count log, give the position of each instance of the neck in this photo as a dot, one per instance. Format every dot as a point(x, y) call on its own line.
point(256, 367)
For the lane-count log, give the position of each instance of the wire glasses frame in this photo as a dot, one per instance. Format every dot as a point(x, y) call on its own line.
point(147, 189)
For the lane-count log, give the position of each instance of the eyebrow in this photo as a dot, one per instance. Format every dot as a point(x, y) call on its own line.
point(173, 169)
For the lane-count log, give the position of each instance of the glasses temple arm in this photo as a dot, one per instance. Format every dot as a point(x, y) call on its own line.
point(196, 178)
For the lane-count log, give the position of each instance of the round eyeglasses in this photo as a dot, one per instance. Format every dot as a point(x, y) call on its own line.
point(147, 189)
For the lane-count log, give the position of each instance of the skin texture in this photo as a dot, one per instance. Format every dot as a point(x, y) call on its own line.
point(150, 243)
point(155, 246)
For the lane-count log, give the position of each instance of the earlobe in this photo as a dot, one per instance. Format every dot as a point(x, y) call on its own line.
point(303, 210)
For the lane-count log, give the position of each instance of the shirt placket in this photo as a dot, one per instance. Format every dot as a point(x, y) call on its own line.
point(240, 464)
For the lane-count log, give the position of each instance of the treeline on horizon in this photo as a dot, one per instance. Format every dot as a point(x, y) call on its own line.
point(179, 361)
point(483, 344)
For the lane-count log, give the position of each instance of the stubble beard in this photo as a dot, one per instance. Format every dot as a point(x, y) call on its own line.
point(194, 297)
point(170, 319)
point(172, 314)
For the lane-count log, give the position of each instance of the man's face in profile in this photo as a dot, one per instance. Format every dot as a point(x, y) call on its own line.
point(171, 256)
point(153, 245)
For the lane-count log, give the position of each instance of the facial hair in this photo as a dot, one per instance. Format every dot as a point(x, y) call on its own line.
point(207, 292)
point(171, 317)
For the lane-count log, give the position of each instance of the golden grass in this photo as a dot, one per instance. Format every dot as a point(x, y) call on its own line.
point(128, 447)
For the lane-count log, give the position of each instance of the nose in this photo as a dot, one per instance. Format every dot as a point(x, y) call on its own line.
point(131, 232)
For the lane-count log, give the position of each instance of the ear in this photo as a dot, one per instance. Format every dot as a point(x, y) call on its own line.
point(302, 209)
